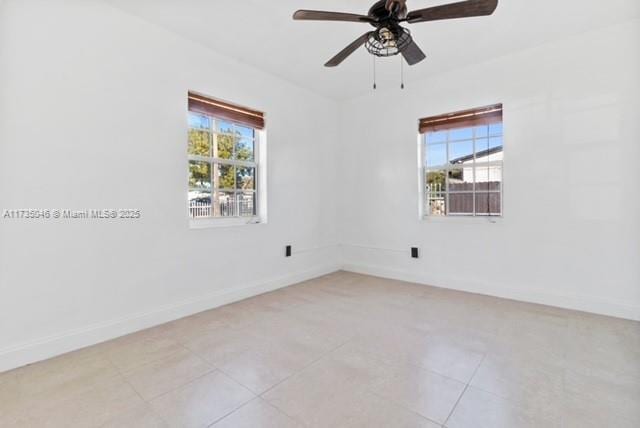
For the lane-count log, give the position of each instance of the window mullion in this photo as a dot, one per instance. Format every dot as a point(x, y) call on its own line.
point(473, 170)
point(446, 178)
point(246, 164)
point(215, 195)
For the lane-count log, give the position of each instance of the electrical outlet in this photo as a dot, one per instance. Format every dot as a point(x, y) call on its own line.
point(287, 251)
point(415, 254)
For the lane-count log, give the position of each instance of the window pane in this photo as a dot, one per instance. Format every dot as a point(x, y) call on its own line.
point(436, 155)
point(436, 137)
point(436, 181)
point(495, 150)
point(199, 174)
point(495, 142)
point(489, 178)
point(245, 178)
point(436, 204)
point(247, 204)
point(224, 204)
point(481, 131)
point(200, 204)
point(460, 180)
point(224, 146)
point(461, 152)
point(224, 126)
point(460, 134)
point(495, 129)
point(244, 131)
point(199, 121)
point(489, 150)
point(482, 145)
point(199, 143)
point(488, 204)
point(461, 203)
point(224, 176)
point(245, 150)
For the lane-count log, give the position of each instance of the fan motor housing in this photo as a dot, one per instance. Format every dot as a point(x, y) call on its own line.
point(379, 10)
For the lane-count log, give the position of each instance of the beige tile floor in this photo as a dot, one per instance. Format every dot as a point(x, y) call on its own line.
point(346, 350)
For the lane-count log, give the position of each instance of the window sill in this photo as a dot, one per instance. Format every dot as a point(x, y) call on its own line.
point(207, 223)
point(462, 219)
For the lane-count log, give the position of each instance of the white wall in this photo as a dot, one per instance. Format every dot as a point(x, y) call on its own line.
point(570, 232)
point(93, 115)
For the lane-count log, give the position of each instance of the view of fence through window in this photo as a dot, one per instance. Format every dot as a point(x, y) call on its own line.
point(222, 168)
point(463, 169)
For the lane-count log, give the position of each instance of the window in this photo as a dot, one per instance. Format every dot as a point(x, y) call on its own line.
point(223, 151)
point(463, 160)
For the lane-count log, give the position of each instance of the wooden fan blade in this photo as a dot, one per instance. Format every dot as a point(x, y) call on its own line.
point(413, 54)
point(463, 9)
point(318, 15)
point(337, 60)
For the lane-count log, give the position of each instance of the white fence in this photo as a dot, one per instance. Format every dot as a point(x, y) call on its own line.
point(230, 207)
point(434, 188)
point(199, 209)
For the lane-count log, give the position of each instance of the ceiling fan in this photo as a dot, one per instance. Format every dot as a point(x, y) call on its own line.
point(389, 37)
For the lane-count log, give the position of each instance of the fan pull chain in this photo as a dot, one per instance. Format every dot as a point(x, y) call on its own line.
point(375, 86)
point(401, 73)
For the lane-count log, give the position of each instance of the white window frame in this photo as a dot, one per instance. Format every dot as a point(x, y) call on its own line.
point(424, 210)
point(260, 177)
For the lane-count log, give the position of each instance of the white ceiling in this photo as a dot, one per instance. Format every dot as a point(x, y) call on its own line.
point(263, 34)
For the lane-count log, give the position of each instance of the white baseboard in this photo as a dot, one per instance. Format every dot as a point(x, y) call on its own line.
point(48, 347)
point(573, 302)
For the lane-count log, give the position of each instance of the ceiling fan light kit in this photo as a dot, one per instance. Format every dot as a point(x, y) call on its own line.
point(386, 42)
point(390, 38)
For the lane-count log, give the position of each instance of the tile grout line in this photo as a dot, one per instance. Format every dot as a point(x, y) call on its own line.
point(410, 365)
point(402, 406)
point(260, 396)
point(453, 409)
point(190, 382)
point(306, 366)
point(237, 407)
point(147, 403)
point(153, 360)
point(455, 406)
point(233, 411)
point(413, 366)
point(210, 366)
point(144, 401)
point(294, 419)
point(475, 372)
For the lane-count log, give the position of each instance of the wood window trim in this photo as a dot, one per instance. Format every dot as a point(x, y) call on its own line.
point(462, 119)
point(224, 110)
